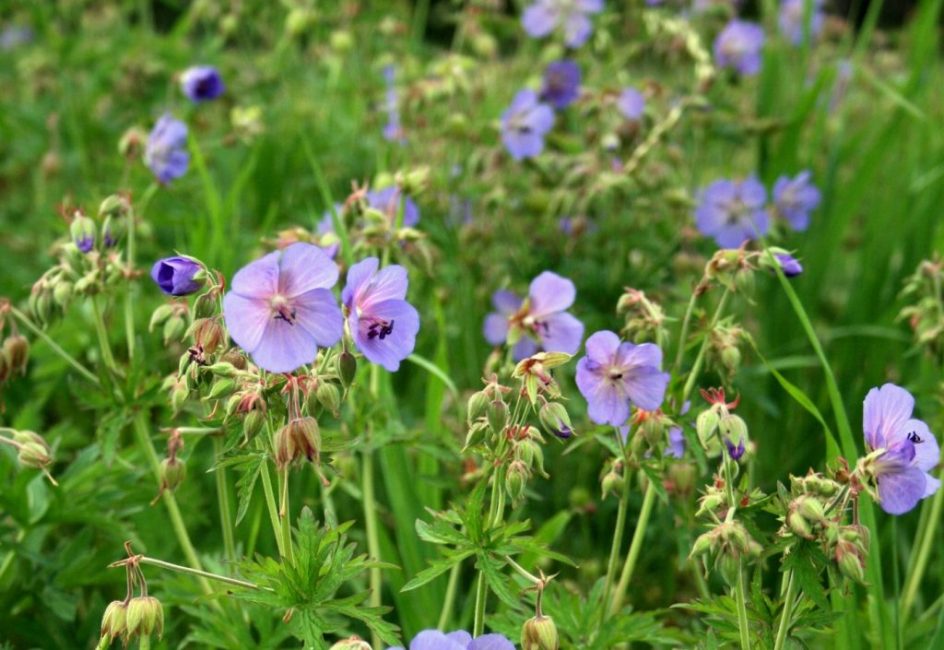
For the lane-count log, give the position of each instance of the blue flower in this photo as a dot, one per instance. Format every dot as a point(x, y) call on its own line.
point(524, 125)
point(796, 198)
point(571, 16)
point(789, 264)
point(561, 83)
point(178, 275)
point(732, 211)
point(631, 104)
point(166, 150)
point(201, 83)
point(738, 47)
point(458, 640)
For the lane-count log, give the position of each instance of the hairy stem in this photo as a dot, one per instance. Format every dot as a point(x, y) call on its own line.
point(285, 519)
point(742, 608)
point(635, 546)
point(196, 572)
point(787, 614)
point(272, 508)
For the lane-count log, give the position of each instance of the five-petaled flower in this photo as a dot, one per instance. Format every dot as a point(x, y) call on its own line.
point(201, 83)
point(280, 307)
point(571, 16)
point(561, 83)
point(458, 640)
point(382, 323)
point(903, 450)
point(795, 198)
point(524, 125)
point(738, 47)
point(540, 322)
point(614, 374)
point(732, 211)
point(178, 275)
point(166, 151)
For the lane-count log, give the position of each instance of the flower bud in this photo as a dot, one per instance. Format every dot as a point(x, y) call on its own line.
point(113, 229)
point(851, 564)
point(329, 397)
point(205, 305)
point(705, 425)
point(33, 451)
point(734, 431)
point(476, 434)
point(174, 328)
point(208, 334)
point(222, 369)
point(235, 358)
point(497, 413)
point(82, 230)
point(704, 544)
point(178, 275)
point(253, 423)
point(555, 419)
point(132, 143)
point(173, 472)
point(811, 508)
point(116, 206)
point(477, 405)
point(539, 633)
point(799, 525)
point(160, 315)
point(516, 479)
point(351, 643)
point(114, 620)
point(221, 388)
point(300, 437)
point(145, 617)
point(612, 482)
point(16, 350)
point(347, 368)
point(62, 293)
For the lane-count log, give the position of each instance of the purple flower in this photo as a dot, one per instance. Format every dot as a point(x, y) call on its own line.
point(631, 104)
point(561, 83)
point(795, 198)
point(789, 264)
point(458, 640)
point(738, 47)
point(615, 374)
point(280, 307)
point(540, 322)
point(676, 447)
point(387, 201)
point(732, 211)
point(177, 276)
point(792, 19)
point(166, 150)
point(906, 449)
point(735, 451)
point(571, 16)
point(14, 36)
point(393, 130)
point(382, 322)
point(524, 125)
point(201, 83)
point(328, 239)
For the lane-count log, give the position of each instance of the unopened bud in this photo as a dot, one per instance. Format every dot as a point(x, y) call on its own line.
point(205, 305)
point(850, 564)
point(116, 206)
point(132, 142)
point(703, 545)
point(62, 293)
point(612, 483)
point(347, 368)
point(555, 420)
point(173, 472)
point(115, 620)
point(300, 437)
point(82, 230)
point(329, 397)
point(477, 405)
point(811, 508)
point(497, 413)
point(539, 633)
point(174, 328)
point(16, 350)
point(145, 617)
point(351, 643)
point(160, 315)
point(253, 423)
point(221, 388)
point(516, 479)
point(799, 525)
point(705, 426)
point(207, 333)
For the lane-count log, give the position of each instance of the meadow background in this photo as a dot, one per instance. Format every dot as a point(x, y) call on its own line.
point(863, 109)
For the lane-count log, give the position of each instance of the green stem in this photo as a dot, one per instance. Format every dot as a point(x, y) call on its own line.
point(196, 572)
point(617, 544)
point(177, 522)
point(370, 508)
point(481, 594)
point(273, 510)
point(742, 608)
point(222, 494)
point(686, 322)
point(68, 358)
point(913, 582)
point(451, 588)
point(635, 546)
point(286, 520)
point(700, 359)
point(787, 614)
point(144, 643)
point(102, 333)
point(129, 296)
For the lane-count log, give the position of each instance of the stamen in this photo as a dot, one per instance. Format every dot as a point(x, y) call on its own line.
point(914, 437)
point(380, 329)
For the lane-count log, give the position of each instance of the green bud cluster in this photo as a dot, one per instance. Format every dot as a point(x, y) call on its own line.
point(644, 319)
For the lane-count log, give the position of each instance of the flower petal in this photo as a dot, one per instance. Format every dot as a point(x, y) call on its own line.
point(645, 386)
point(284, 347)
point(318, 313)
point(884, 414)
point(246, 319)
point(396, 345)
point(927, 451)
point(258, 279)
point(491, 642)
point(461, 637)
point(900, 492)
point(577, 29)
point(561, 332)
point(390, 283)
point(524, 348)
point(606, 403)
point(602, 346)
point(551, 293)
point(304, 267)
point(506, 302)
point(495, 328)
point(357, 275)
point(632, 355)
point(540, 19)
point(434, 640)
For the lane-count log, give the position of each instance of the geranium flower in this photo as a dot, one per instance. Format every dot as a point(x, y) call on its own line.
point(732, 211)
point(570, 16)
point(524, 125)
point(166, 151)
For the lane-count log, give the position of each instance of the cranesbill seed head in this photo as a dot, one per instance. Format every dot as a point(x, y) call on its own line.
point(738, 47)
point(201, 83)
point(280, 307)
point(911, 450)
point(614, 375)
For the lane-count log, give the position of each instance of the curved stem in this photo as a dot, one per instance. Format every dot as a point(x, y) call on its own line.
point(913, 581)
point(68, 358)
point(373, 537)
point(286, 521)
point(686, 321)
point(787, 613)
point(700, 359)
point(615, 548)
point(177, 522)
point(742, 608)
point(195, 572)
point(450, 598)
point(635, 546)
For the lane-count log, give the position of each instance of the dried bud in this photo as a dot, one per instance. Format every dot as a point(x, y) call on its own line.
point(208, 334)
point(539, 633)
point(497, 413)
point(173, 472)
point(145, 617)
point(300, 437)
point(132, 143)
point(351, 643)
point(347, 368)
point(115, 620)
point(16, 350)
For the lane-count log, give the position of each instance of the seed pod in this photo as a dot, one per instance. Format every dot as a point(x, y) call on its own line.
point(115, 620)
point(477, 405)
point(300, 437)
point(351, 643)
point(145, 617)
point(173, 472)
point(207, 333)
point(329, 397)
point(347, 368)
point(539, 633)
point(253, 423)
point(16, 350)
point(497, 413)
point(516, 479)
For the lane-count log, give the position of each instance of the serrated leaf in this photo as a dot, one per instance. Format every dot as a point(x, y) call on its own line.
point(435, 569)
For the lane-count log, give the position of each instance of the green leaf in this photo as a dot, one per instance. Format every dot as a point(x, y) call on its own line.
point(436, 569)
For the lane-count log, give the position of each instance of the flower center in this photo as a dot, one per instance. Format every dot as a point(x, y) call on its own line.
point(282, 309)
point(737, 211)
point(379, 329)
